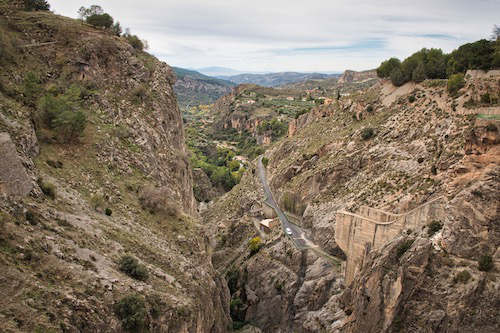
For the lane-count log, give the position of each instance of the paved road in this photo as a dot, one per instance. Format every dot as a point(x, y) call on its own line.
point(297, 236)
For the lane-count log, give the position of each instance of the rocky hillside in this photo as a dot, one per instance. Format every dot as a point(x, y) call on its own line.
point(387, 148)
point(97, 225)
point(193, 88)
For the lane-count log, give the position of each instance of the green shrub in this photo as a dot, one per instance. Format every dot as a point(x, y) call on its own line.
point(418, 74)
point(35, 5)
point(131, 310)
point(233, 165)
point(108, 211)
point(31, 217)
point(232, 277)
point(301, 112)
point(265, 161)
point(397, 77)
point(491, 127)
point(434, 227)
point(70, 125)
point(411, 98)
point(139, 94)
point(455, 83)
point(221, 176)
point(255, 245)
point(62, 114)
point(386, 67)
point(477, 193)
point(434, 170)
point(367, 133)
point(100, 20)
point(131, 266)
point(275, 126)
point(134, 41)
point(55, 164)
point(485, 98)
point(462, 277)
point(485, 263)
point(47, 188)
point(278, 285)
point(403, 247)
point(369, 108)
point(31, 87)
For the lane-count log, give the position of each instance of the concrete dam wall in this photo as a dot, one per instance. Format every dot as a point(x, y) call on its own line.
point(370, 228)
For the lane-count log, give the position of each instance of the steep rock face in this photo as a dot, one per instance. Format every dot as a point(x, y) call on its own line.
point(193, 88)
point(59, 252)
point(232, 114)
point(13, 177)
point(204, 190)
point(435, 285)
point(352, 76)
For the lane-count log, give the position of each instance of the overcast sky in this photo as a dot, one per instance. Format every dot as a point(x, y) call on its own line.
point(306, 35)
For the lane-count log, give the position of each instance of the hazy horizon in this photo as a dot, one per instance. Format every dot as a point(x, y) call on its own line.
point(280, 36)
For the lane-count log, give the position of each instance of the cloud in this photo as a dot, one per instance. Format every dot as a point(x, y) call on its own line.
point(278, 35)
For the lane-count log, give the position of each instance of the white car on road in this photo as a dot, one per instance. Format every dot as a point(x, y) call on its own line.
point(288, 231)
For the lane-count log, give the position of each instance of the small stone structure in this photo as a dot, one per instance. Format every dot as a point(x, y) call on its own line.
point(370, 228)
point(267, 225)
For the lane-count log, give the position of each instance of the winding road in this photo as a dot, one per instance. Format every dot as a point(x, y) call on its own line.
point(298, 237)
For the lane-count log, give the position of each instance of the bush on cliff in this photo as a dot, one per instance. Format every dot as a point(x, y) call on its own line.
point(62, 114)
point(485, 263)
point(131, 266)
point(254, 245)
point(131, 310)
point(135, 41)
point(367, 133)
point(100, 20)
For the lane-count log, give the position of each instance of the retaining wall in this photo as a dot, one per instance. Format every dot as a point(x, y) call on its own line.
point(358, 233)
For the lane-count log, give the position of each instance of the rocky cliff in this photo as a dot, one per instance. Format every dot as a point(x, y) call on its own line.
point(71, 210)
point(352, 76)
point(193, 88)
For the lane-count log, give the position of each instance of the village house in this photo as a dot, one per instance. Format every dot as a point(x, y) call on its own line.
point(267, 225)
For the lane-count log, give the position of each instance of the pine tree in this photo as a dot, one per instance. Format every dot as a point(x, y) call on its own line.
point(418, 74)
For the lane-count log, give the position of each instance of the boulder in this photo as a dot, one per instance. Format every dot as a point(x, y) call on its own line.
point(14, 180)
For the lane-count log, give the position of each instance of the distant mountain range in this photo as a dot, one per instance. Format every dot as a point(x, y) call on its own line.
point(218, 71)
point(195, 88)
point(276, 79)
